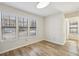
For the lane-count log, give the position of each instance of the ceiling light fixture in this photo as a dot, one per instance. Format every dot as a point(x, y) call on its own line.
point(42, 4)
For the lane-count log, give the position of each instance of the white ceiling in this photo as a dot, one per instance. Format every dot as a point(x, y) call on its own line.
point(52, 8)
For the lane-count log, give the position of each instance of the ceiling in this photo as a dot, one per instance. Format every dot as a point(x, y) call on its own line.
point(52, 8)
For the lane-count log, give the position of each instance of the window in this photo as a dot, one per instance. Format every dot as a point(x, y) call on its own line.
point(23, 27)
point(73, 27)
point(8, 26)
point(32, 28)
point(14, 27)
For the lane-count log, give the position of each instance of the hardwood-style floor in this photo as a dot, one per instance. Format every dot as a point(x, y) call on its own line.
point(45, 48)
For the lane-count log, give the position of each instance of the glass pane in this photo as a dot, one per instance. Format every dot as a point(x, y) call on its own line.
point(32, 31)
point(33, 28)
point(23, 28)
point(73, 27)
point(8, 27)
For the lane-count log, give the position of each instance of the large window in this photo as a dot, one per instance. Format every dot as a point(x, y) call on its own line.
point(8, 26)
point(14, 27)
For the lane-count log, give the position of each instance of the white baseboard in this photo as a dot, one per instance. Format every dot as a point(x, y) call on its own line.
point(55, 42)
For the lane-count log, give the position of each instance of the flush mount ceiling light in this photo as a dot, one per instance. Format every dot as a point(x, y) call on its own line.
point(42, 4)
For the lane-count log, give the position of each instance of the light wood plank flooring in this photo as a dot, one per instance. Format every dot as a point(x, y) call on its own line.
point(45, 48)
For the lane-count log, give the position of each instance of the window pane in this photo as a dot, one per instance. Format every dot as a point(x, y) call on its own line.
point(23, 28)
point(33, 28)
point(32, 31)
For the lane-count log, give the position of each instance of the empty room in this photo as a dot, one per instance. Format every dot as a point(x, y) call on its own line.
point(39, 28)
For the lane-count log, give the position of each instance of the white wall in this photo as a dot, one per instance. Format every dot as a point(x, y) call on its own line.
point(12, 44)
point(55, 28)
